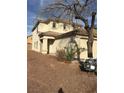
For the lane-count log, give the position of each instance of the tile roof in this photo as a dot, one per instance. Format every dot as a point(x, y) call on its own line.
point(49, 33)
point(81, 32)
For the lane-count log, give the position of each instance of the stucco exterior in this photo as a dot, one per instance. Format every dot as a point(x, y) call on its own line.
point(48, 44)
point(35, 41)
point(82, 43)
point(59, 27)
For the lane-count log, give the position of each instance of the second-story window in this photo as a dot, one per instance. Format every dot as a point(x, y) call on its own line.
point(54, 25)
point(64, 26)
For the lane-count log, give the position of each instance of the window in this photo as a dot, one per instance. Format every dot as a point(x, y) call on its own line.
point(54, 25)
point(64, 26)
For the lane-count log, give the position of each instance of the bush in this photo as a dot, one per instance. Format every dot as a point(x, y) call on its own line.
point(61, 55)
point(69, 54)
point(65, 54)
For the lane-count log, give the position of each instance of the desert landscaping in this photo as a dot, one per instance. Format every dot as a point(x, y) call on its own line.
point(48, 75)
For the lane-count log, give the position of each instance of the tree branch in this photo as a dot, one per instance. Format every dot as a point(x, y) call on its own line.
point(93, 19)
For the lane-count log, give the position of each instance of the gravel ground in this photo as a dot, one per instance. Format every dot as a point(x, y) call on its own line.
point(48, 75)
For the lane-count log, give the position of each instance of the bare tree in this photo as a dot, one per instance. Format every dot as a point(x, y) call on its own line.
point(78, 9)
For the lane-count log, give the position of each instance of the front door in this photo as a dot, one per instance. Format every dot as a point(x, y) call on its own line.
point(50, 43)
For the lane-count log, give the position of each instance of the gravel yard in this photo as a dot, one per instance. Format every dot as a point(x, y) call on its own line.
point(48, 75)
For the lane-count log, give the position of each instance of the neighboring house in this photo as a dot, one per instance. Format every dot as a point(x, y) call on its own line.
point(29, 42)
point(52, 35)
point(29, 39)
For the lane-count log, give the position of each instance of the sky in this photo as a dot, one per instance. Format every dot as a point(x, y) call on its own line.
point(32, 9)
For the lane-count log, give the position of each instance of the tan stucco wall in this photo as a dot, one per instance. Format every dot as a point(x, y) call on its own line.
point(95, 49)
point(42, 27)
point(59, 43)
point(35, 38)
point(82, 43)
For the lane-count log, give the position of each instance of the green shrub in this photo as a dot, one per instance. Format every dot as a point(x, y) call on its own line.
point(69, 53)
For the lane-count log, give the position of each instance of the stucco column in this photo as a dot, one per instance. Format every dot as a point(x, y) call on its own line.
point(78, 41)
point(44, 47)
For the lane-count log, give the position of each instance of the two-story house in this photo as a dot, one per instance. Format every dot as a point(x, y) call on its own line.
point(51, 35)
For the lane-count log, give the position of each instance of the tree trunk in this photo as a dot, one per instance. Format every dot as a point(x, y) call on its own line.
point(90, 36)
point(90, 43)
point(78, 54)
point(90, 32)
